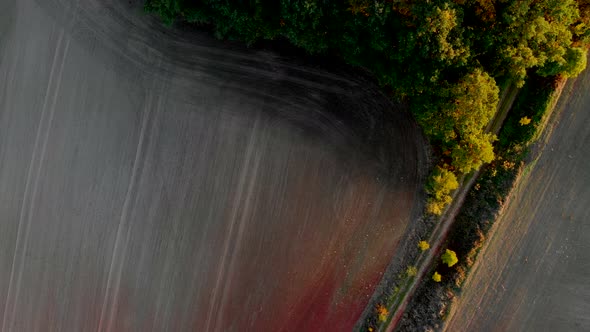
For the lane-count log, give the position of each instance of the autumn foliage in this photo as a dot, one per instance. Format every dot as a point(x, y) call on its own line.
point(382, 312)
point(440, 186)
point(449, 257)
point(423, 245)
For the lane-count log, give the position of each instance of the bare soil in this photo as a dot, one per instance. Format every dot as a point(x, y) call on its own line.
point(156, 179)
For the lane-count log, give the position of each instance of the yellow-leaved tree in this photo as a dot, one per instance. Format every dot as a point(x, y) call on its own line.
point(449, 258)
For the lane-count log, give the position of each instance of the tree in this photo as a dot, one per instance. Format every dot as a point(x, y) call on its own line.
point(475, 99)
point(441, 184)
point(441, 35)
point(535, 33)
point(574, 62)
point(449, 258)
point(472, 151)
point(457, 117)
point(473, 108)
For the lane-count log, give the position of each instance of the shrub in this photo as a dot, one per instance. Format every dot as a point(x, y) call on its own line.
point(411, 271)
point(423, 245)
point(461, 275)
point(524, 121)
point(449, 258)
point(436, 277)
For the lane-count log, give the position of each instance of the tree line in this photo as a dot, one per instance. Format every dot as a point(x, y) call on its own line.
point(444, 57)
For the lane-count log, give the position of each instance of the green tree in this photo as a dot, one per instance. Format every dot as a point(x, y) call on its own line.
point(573, 63)
point(472, 151)
point(440, 35)
point(457, 120)
point(474, 106)
point(535, 33)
